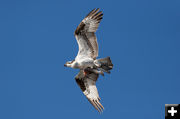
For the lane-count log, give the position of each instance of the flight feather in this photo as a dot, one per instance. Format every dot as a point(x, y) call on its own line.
point(85, 34)
point(87, 83)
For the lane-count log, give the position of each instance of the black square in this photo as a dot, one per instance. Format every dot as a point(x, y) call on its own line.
point(172, 111)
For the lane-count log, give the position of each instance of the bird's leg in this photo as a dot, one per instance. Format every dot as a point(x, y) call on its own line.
point(98, 72)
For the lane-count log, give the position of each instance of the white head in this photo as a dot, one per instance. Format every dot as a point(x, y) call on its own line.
point(71, 64)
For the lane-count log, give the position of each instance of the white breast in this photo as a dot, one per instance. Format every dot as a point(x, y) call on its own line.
point(85, 62)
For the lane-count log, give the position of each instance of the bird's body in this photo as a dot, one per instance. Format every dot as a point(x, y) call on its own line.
point(83, 63)
point(86, 61)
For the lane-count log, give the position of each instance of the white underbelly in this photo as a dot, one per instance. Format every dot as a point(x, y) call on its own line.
point(84, 63)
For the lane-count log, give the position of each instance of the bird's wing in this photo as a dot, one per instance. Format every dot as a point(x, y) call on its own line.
point(88, 86)
point(85, 34)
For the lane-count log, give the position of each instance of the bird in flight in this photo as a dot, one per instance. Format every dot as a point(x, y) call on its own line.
point(90, 67)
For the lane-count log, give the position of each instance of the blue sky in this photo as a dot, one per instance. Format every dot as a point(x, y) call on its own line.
point(142, 38)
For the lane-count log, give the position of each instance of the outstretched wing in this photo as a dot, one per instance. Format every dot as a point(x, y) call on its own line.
point(88, 86)
point(85, 35)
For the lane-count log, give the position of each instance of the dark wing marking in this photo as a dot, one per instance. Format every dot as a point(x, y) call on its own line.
point(88, 86)
point(86, 32)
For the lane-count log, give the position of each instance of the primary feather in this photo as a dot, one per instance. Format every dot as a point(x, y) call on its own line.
point(85, 34)
point(87, 83)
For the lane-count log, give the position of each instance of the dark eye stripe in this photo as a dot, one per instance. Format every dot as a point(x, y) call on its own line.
point(72, 61)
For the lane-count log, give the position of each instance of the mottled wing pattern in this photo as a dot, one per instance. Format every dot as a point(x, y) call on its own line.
point(88, 86)
point(85, 34)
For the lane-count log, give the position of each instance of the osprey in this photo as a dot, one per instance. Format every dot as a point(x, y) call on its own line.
point(90, 67)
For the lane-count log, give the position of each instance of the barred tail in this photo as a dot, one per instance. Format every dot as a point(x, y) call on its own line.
point(104, 64)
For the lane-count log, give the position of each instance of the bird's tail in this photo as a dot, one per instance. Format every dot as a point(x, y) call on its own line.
point(104, 64)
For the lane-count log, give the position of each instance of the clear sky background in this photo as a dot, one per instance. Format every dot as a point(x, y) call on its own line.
point(142, 37)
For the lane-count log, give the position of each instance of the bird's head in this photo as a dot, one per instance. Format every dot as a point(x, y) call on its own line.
point(68, 63)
